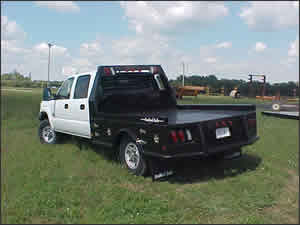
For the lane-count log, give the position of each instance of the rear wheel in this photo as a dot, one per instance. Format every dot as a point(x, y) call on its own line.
point(46, 134)
point(130, 155)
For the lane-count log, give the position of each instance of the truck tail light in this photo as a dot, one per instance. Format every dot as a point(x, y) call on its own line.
point(174, 136)
point(181, 136)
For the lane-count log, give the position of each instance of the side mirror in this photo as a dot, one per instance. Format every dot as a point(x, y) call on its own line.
point(47, 95)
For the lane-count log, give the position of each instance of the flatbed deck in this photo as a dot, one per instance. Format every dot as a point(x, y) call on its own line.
point(283, 114)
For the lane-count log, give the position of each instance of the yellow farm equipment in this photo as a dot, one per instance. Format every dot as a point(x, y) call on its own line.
point(189, 91)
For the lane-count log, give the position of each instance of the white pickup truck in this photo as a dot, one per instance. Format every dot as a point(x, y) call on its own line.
point(133, 109)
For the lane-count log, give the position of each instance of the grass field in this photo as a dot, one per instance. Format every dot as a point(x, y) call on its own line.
point(62, 184)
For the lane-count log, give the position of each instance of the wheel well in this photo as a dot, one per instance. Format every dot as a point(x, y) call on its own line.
point(118, 139)
point(43, 116)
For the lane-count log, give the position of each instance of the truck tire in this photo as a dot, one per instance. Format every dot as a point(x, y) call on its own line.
point(130, 155)
point(46, 134)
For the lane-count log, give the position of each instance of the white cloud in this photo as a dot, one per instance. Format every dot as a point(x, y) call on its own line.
point(11, 46)
point(172, 16)
point(210, 60)
point(43, 48)
point(10, 30)
point(68, 70)
point(144, 49)
point(260, 47)
point(294, 48)
point(89, 49)
point(224, 45)
point(270, 16)
point(77, 65)
point(62, 6)
point(296, 4)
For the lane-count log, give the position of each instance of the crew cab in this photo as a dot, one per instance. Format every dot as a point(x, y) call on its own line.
point(133, 110)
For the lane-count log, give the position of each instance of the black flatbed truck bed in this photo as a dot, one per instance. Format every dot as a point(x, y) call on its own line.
point(137, 117)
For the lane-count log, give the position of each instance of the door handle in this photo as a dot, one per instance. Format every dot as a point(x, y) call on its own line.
point(66, 106)
point(82, 106)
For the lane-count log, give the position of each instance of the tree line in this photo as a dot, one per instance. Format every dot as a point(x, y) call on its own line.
point(215, 85)
point(16, 79)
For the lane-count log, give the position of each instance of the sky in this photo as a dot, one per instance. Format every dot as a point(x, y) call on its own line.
point(227, 39)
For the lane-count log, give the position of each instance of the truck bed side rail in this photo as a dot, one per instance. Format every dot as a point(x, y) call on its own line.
point(234, 107)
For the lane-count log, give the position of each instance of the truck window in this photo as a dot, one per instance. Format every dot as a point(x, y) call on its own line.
point(65, 89)
point(82, 86)
point(126, 83)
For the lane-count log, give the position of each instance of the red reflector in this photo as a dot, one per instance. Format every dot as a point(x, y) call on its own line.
point(181, 135)
point(230, 122)
point(164, 148)
point(174, 136)
point(224, 124)
point(251, 122)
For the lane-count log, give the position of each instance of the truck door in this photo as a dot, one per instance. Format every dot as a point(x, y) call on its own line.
point(80, 107)
point(62, 107)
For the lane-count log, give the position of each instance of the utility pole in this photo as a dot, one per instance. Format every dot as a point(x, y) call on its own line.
point(187, 69)
point(182, 74)
point(250, 89)
point(49, 45)
point(264, 86)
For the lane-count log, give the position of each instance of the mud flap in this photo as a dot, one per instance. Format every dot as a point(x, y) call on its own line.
point(160, 169)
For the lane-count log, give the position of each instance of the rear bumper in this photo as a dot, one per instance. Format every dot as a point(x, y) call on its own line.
point(211, 151)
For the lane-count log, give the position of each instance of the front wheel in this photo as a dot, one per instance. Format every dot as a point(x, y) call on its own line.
point(130, 155)
point(46, 134)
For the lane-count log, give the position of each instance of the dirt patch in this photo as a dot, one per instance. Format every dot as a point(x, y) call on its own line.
point(133, 187)
point(287, 207)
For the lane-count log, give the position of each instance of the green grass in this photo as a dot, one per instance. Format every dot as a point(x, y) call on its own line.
point(62, 184)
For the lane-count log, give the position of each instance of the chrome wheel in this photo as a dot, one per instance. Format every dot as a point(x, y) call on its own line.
point(132, 155)
point(48, 134)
